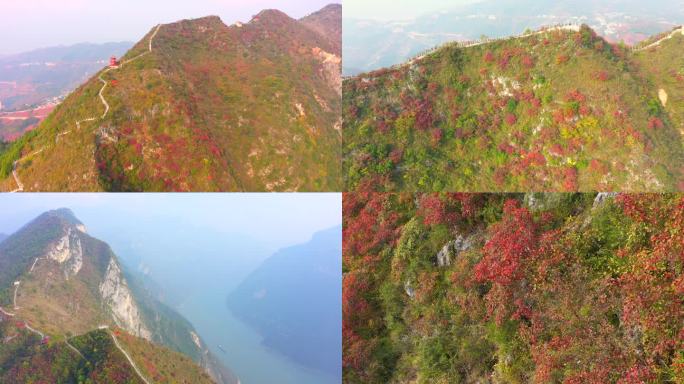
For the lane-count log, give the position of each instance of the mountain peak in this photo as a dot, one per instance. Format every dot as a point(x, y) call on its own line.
point(328, 23)
point(271, 15)
point(175, 60)
point(330, 8)
point(68, 216)
point(64, 213)
point(211, 21)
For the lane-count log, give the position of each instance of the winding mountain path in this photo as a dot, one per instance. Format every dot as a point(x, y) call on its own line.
point(16, 288)
point(128, 357)
point(468, 44)
point(37, 332)
point(34, 264)
point(66, 341)
point(656, 43)
point(10, 314)
point(42, 335)
point(20, 185)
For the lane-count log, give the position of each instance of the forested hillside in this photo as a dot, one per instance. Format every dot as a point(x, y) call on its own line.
point(198, 105)
point(512, 288)
point(558, 109)
point(59, 285)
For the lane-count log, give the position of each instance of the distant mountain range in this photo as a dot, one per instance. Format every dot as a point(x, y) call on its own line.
point(373, 44)
point(558, 109)
point(278, 300)
point(32, 78)
point(198, 105)
point(33, 83)
point(61, 288)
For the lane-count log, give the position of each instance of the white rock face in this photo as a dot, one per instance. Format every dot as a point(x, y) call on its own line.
point(601, 197)
point(68, 252)
point(452, 249)
point(408, 288)
point(331, 67)
point(118, 297)
point(662, 95)
point(82, 228)
point(196, 339)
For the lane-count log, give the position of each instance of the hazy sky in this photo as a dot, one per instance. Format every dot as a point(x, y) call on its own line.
point(397, 9)
point(31, 24)
point(281, 219)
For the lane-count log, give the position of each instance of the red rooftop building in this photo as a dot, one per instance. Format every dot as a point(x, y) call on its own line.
point(113, 62)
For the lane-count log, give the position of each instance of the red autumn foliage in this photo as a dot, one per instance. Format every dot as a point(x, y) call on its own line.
point(396, 155)
point(562, 59)
point(654, 286)
point(355, 310)
point(510, 119)
point(655, 123)
point(558, 116)
point(382, 126)
point(448, 208)
point(570, 179)
point(500, 176)
point(597, 166)
point(372, 227)
point(505, 147)
point(424, 116)
point(527, 61)
point(513, 240)
point(535, 158)
point(557, 150)
point(602, 76)
point(436, 134)
point(584, 110)
point(576, 95)
point(489, 57)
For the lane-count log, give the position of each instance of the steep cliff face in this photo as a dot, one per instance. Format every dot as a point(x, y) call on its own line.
point(68, 252)
point(70, 283)
point(75, 282)
point(118, 298)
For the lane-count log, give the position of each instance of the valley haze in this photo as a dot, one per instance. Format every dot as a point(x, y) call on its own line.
point(191, 251)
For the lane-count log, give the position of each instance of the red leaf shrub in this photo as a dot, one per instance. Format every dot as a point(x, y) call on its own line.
point(436, 134)
point(655, 123)
point(602, 76)
point(513, 240)
point(562, 59)
point(570, 179)
point(510, 119)
point(527, 61)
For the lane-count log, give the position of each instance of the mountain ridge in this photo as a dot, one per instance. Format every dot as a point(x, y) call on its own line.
point(68, 283)
point(504, 114)
point(200, 92)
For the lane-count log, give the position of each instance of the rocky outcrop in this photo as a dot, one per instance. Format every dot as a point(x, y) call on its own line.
point(118, 297)
point(68, 252)
point(409, 289)
point(451, 249)
point(331, 68)
point(601, 197)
